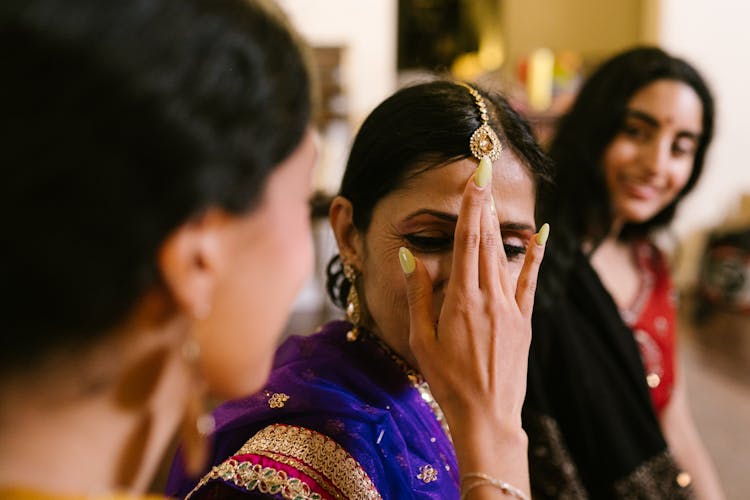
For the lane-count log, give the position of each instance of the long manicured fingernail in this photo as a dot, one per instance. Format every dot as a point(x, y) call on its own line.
point(542, 235)
point(493, 206)
point(483, 173)
point(406, 259)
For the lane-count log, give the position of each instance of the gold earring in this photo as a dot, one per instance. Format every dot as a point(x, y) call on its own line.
point(198, 423)
point(353, 306)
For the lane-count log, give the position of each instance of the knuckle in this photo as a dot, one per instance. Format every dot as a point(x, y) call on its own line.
point(490, 239)
point(474, 199)
point(527, 284)
point(523, 282)
point(468, 238)
point(493, 309)
point(460, 303)
point(531, 287)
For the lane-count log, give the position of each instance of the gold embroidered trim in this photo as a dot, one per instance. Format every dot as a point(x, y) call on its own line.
point(316, 452)
point(424, 390)
point(255, 477)
point(277, 400)
point(658, 477)
point(309, 471)
point(427, 474)
point(312, 453)
point(553, 473)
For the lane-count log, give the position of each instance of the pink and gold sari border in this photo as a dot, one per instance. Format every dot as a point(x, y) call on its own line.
point(319, 461)
point(256, 477)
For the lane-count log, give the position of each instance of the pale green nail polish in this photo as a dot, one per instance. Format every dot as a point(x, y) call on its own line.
point(406, 259)
point(543, 234)
point(483, 173)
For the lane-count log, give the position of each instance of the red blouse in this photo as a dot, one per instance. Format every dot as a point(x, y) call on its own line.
point(653, 321)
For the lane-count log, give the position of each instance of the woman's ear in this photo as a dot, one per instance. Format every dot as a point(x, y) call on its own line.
point(190, 261)
point(348, 237)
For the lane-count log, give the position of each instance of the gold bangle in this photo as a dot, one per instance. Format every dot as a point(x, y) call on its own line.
point(483, 479)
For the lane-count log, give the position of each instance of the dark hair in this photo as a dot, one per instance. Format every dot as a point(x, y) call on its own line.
point(122, 120)
point(578, 207)
point(418, 128)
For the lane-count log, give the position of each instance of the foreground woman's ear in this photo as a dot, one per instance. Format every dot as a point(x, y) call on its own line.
point(191, 260)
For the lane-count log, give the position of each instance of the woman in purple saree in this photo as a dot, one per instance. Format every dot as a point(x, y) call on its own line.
point(346, 412)
point(362, 408)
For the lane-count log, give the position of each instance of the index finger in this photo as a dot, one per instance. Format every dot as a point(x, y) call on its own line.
point(467, 235)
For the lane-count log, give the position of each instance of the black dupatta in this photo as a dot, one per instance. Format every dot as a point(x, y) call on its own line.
point(592, 429)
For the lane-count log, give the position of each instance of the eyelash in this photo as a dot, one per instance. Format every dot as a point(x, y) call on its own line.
point(639, 133)
point(430, 244)
point(633, 131)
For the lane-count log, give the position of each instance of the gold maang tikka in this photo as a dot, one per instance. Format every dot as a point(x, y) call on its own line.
point(484, 140)
point(353, 306)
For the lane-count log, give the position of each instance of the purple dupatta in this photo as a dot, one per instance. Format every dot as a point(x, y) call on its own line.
point(336, 419)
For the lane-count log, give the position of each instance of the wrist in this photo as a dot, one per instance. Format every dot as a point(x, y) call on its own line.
point(486, 440)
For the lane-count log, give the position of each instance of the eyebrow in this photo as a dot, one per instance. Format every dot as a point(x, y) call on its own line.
point(435, 213)
point(453, 218)
point(651, 120)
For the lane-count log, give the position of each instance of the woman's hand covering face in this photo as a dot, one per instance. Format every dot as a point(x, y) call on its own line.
point(475, 357)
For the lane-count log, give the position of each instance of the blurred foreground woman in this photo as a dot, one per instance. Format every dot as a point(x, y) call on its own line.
point(156, 169)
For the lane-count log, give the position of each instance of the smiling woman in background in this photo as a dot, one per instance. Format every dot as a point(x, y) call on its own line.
point(606, 410)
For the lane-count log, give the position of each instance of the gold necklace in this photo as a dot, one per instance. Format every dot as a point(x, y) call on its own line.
point(415, 379)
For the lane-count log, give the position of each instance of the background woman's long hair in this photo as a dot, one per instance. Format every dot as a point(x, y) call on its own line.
point(578, 205)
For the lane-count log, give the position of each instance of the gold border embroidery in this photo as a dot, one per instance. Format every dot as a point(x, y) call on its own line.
point(310, 452)
point(255, 477)
point(278, 400)
point(427, 474)
point(658, 477)
point(319, 478)
point(553, 472)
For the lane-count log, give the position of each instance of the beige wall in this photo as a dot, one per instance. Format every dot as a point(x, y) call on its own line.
point(714, 36)
point(368, 29)
point(594, 28)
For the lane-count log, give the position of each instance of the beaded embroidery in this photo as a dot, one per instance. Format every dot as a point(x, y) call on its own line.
point(427, 474)
point(658, 477)
point(255, 477)
point(278, 400)
point(307, 451)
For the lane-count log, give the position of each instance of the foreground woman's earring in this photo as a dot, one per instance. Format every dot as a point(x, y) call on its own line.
point(353, 307)
point(198, 423)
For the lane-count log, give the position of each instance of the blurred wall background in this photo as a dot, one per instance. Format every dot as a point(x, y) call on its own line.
point(712, 35)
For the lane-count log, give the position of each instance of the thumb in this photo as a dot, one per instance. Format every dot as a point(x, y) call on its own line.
point(419, 295)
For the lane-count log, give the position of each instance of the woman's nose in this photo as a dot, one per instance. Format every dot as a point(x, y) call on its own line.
point(656, 156)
